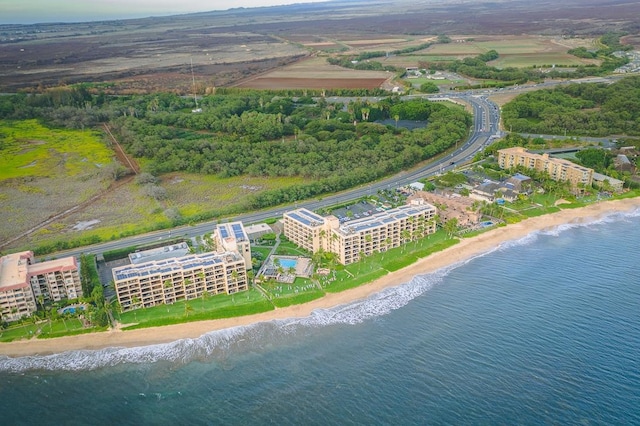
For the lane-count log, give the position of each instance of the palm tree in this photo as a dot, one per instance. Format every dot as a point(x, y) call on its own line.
point(251, 276)
point(63, 317)
point(368, 239)
point(235, 276)
point(334, 238)
point(406, 235)
point(317, 257)
point(451, 226)
point(387, 242)
point(135, 301)
point(187, 309)
point(205, 295)
point(117, 308)
point(322, 234)
point(168, 295)
point(187, 283)
point(41, 301)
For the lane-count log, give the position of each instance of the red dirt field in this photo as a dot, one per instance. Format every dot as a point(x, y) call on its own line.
point(312, 83)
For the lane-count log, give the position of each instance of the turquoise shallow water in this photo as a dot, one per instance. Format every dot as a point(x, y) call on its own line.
point(545, 330)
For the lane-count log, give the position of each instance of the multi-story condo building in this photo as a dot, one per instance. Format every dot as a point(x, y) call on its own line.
point(557, 168)
point(362, 237)
point(23, 283)
point(56, 279)
point(182, 278)
point(303, 227)
point(233, 237)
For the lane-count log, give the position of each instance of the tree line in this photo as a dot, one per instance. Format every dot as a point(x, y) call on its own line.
point(337, 145)
point(593, 109)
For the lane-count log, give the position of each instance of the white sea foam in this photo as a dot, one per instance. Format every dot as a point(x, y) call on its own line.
point(218, 344)
point(179, 351)
point(376, 305)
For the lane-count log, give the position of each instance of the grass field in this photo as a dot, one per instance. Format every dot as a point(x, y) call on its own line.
point(52, 169)
point(541, 59)
point(31, 150)
point(194, 193)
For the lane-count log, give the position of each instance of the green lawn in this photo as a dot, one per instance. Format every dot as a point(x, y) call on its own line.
point(46, 329)
point(287, 248)
point(214, 307)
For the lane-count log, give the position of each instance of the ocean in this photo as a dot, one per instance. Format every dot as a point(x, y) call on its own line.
point(543, 330)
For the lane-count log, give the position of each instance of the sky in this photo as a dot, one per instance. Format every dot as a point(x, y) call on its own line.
point(39, 11)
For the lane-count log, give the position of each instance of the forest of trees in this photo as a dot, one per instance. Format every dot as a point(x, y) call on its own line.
point(338, 146)
point(259, 133)
point(594, 109)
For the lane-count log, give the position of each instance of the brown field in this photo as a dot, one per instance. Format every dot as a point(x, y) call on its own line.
point(313, 83)
point(30, 201)
point(316, 73)
point(374, 42)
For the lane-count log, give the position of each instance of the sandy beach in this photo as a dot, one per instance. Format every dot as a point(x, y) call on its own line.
point(467, 248)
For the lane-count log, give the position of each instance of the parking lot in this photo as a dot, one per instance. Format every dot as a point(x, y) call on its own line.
point(366, 208)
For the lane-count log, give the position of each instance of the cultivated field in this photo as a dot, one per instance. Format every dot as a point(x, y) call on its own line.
point(515, 51)
point(316, 73)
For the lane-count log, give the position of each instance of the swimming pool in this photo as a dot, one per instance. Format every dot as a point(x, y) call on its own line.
point(288, 263)
point(71, 309)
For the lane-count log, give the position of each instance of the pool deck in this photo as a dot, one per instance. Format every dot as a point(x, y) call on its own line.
point(303, 268)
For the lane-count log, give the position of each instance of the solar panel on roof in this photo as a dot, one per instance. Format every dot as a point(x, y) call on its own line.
point(312, 215)
point(300, 219)
point(238, 232)
point(224, 233)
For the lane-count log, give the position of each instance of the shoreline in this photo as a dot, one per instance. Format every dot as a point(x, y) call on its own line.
point(466, 249)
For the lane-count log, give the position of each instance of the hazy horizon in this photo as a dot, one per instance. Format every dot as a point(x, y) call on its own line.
point(48, 11)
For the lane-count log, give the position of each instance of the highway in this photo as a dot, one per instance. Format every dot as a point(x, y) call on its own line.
point(486, 120)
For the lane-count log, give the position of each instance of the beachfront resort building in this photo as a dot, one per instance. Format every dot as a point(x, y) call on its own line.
point(24, 283)
point(163, 278)
point(188, 277)
point(557, 168)
point(352, 240)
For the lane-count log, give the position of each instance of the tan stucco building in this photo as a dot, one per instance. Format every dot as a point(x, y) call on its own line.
point(232, 237)
point(557, 168)
point(353, 239)
point(182, 278)
point(187, 276)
